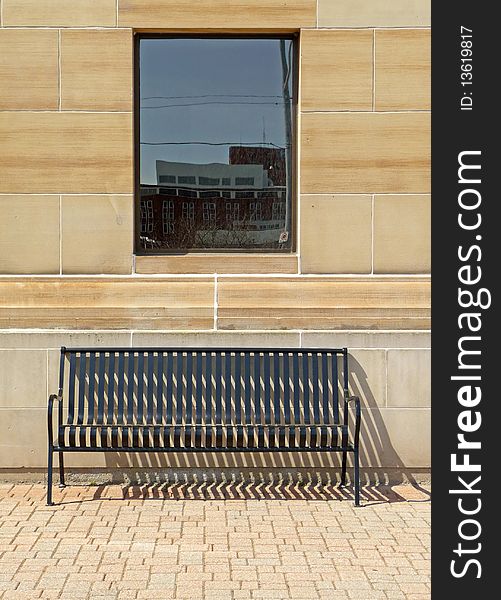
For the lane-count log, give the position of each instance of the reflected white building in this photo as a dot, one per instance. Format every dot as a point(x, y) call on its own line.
point(214, 175)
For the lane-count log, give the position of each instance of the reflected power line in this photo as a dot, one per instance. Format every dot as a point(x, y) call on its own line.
point(209, 96)
point(206, 103)
point(213, 144)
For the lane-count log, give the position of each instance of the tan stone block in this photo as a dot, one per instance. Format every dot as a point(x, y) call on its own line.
point(218, 263)
point(97, 234)
point(403, 69)
point(47, 340)
point(60, 13)
point(17, 426)
point(336, 234)
point(97, 461)
point(96, 69)
point(323, 303)
point(373, 13)
point(364, 339)
point(393, 437)
point(29, 234)
point(223, 339)
point(402, 234)
point(107, 303)
point(28, 69)
point(367, 377)
point(409, 378)
point(23, 378)
point(365, 153)
point(63, 153)
point(336, 69)
point(266, 14)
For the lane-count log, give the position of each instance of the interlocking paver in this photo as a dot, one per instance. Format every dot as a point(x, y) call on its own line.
point(136, 543)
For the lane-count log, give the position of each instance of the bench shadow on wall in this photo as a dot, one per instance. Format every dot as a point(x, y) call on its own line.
point(273, 475)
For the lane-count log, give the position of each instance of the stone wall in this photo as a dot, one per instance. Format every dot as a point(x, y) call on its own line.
point(359, 277)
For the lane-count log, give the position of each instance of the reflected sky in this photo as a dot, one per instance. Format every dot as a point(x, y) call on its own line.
point(222, 92)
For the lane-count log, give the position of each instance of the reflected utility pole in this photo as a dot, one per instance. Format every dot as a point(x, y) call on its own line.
point(286, 76)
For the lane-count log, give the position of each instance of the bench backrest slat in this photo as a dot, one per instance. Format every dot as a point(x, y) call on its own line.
point(92, 381)
point(208, 388)
point(168, 389)
point(100, 388)
point(295, 381)
point(218, 398)
point(267, 388)
point(257, 388)
point(111, 386)
point(71, 390)
point(157, 401)
point(179, 388)
point(247, 387)
point(227, 387)
point(306, 390)
point(128, 399)
point(286, 375)
point(81, 389)
point(189, 387)
point(203, 387)
point(198, 389)
point(316, 391)
point(149, 381)
point(140, 387)
point(325, 387)
point(238, 390)
point(121, 385)
point(335, 404)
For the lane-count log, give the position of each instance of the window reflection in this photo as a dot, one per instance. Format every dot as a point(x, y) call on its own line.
point(216, 130)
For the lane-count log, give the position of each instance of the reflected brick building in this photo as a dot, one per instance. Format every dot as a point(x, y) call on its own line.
point(242, 203)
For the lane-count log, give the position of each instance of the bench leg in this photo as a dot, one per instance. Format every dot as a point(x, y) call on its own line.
point(357, 477)
point(61, 471)
point(343, 470)
point(49, 478)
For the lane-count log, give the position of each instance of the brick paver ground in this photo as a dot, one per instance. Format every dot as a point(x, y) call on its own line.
point(126, 542)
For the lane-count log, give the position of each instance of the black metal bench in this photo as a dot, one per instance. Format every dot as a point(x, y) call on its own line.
point(203, 399)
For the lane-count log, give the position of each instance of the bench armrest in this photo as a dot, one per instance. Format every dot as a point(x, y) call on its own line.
point(50, 408)
point(358, 416)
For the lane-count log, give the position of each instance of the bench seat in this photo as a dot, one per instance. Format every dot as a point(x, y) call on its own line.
point(154, 437)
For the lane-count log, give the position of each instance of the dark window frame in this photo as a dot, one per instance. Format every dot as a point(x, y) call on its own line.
point(294, 188)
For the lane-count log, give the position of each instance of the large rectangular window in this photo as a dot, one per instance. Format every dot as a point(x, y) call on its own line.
point(215, 124)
